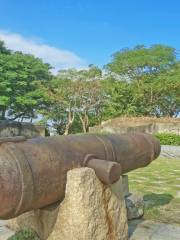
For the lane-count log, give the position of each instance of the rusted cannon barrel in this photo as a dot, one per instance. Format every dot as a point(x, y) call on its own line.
point(33, 172)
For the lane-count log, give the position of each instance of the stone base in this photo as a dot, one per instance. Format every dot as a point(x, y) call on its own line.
point(134, 205)
point(90, 211)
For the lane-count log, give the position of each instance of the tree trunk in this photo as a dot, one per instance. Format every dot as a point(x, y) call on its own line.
point(66, 132)
point(69, 123)
point(84, 127)
point(85, 122)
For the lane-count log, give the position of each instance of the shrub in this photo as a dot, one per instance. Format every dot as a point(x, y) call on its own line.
point(168, 138)
point(26, 234)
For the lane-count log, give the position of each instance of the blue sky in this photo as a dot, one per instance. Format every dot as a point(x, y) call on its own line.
point(73, 33)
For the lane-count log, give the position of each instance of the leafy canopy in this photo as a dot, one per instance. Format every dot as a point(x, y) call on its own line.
point(22, 77)
point(151, 77)
point(78, 97)
point(142, 61)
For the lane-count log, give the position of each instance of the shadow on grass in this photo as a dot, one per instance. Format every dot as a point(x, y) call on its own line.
point(155, 200)
point(151, 201)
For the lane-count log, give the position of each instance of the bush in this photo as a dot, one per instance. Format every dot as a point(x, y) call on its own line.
point(26, 234)
point(168, 138)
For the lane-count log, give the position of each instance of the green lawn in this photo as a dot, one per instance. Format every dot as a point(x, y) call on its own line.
point(160, 185)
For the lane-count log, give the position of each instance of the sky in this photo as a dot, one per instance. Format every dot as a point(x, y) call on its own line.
point(76, 33)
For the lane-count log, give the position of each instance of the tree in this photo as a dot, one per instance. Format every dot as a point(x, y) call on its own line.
point(163, 99)
point(22, 78)
point(151, 76)
point(63, 94)
point(3, 49)
point(120, 98)
point(140, 61)
point(77, 97)
point(90, 102)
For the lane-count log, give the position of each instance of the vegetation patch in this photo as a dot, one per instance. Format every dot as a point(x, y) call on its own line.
point(159, 183)
point(26, 234)
point(168, 138)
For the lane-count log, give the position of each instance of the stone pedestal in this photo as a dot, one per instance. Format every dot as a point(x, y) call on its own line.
point(90, 211)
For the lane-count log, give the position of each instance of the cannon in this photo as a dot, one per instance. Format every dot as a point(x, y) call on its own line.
point(33, 172)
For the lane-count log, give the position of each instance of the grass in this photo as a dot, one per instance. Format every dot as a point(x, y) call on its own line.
point(160, 185)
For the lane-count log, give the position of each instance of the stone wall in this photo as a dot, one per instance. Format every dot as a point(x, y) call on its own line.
point(145, 125)
point(12, 128)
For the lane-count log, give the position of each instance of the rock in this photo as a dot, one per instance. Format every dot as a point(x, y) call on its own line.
point(90, 211)
point(151, 230)
point(134, 205)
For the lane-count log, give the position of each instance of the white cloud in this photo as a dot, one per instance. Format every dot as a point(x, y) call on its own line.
point(58, 58)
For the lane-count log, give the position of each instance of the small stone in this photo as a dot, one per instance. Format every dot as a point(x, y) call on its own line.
point(134, 205)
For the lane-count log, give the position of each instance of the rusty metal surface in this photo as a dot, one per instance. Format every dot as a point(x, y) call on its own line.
point(107, 171)
point(33, 172)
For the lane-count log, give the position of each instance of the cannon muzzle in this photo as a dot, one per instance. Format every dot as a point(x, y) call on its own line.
point(33, 172)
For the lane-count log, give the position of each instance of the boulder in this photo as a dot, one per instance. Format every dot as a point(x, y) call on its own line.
point(89, 211)
point(134, 205)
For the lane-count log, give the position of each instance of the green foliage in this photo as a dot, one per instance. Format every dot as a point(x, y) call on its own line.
point(141, 61)
point(146, 82)
point(22, 81)
point(78, 100)
point(139, 82)
point(168, 138)
point(120, 98)
point(3, 49)
point(26, 234)
point(142, 81)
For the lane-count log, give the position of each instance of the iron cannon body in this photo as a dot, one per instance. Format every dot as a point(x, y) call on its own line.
point(33, 172)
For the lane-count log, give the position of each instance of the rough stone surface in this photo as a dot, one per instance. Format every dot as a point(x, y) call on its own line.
point(150, 230)
point(134, 205)
point(138, 124)
point(12, 128)
point(90, 211)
